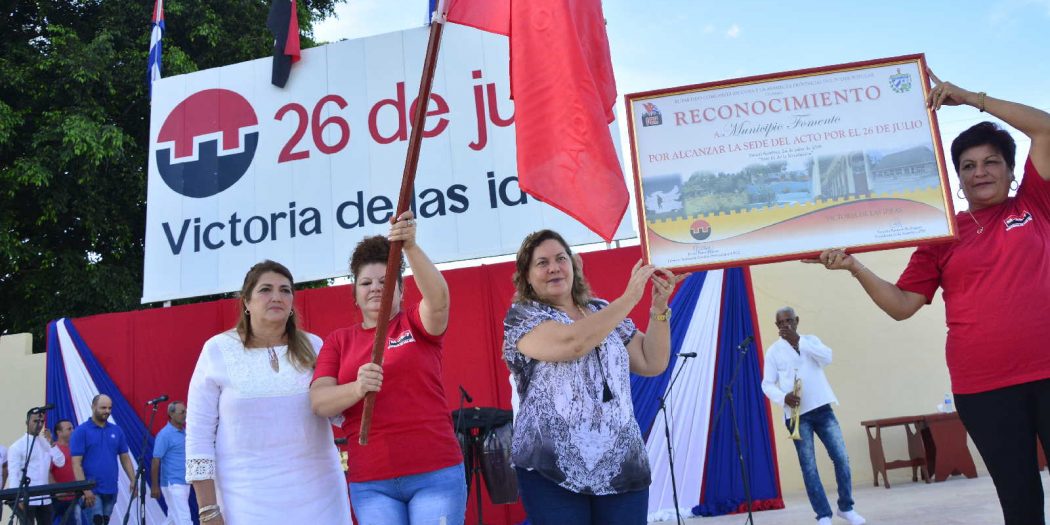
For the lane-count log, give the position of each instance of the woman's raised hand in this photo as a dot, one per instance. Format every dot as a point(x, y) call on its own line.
point(835, 259)
point(640, 275)
point(403, 229)
point(664, 282)
point(946, 93)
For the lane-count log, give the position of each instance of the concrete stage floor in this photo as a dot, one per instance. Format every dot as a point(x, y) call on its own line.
point(956, 501)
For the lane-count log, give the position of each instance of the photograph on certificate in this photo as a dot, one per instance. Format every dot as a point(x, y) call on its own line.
point(782, 166)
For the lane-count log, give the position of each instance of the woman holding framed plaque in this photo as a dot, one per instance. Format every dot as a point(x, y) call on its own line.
point(577, 448)
point(996, 287)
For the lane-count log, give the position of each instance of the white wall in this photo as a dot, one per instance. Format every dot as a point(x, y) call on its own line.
point(881, 367)
point(21, 384)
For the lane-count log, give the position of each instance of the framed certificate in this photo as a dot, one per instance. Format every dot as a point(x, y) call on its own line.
point(779, 167)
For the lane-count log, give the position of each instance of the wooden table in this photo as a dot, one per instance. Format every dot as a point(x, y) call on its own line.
point(913, 426)
point(936, 443)
point(947, 454)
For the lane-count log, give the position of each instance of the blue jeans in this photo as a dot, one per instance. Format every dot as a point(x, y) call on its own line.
point(102, 509)
point(822, 422)
point(438, 497)
point(60, 512)
point(547, 503)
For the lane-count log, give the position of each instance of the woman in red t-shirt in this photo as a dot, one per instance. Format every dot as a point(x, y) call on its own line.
point(995, 281)
point(412, 469)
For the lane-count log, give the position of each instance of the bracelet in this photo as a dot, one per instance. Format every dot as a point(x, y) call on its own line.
point(666, 316)
point(980, 100)
point(210, 516)
point(208, 513)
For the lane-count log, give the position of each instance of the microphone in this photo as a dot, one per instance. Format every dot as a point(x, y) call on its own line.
point(161, 399)
point(743, 344)
point(41, 410)
point(463, 392)
point(687, 354)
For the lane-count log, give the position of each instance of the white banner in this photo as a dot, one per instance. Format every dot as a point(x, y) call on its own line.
point(241, 171)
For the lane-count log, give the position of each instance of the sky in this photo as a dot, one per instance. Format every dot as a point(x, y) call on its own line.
point(996, 46)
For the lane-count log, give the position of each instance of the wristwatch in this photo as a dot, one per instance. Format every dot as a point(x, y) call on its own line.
point(666, 316)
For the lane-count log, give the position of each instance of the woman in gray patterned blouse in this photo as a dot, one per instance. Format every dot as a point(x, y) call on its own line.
point(577, 449)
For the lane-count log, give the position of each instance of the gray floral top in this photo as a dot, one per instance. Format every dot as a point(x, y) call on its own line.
point(563, 429)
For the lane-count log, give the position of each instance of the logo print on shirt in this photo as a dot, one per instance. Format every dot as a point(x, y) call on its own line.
point(403, 339)
point(1016, 221)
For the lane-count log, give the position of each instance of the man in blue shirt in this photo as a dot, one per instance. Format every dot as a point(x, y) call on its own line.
point(95, 446)
point(169, 458)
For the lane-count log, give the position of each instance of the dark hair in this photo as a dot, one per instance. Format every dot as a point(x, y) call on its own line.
point(300, 351)
point(581, 291)
point(985, 133)
point(374, 249)
point(59, 423)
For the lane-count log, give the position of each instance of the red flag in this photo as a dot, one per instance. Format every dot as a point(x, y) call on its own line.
point(563, 89)
point(283, 22)
point(291, 46)
point(487, 15)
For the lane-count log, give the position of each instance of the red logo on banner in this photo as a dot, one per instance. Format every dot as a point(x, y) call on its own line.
point(209, 142)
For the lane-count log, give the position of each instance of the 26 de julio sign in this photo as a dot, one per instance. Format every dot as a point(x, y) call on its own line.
point(241, 171)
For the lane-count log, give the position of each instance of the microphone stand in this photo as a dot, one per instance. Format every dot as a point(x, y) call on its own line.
point(140, 473)
point(667, 434)
point(741, 352)
point(23, 487)
point(473, 450)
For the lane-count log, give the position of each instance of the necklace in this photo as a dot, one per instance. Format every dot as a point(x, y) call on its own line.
point(980, 227)
point(274, 363)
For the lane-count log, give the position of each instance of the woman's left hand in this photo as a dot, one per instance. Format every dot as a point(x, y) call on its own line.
point(403, 229)
point(946, 93)
point(664, 282)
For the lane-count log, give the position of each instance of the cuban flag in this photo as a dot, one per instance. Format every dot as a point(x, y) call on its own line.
point(713, 317)
point(156, 33)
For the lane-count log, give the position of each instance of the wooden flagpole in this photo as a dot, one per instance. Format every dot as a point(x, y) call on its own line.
point(408, 179)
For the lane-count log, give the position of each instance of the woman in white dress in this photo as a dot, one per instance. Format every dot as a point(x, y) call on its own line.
point(255, 452)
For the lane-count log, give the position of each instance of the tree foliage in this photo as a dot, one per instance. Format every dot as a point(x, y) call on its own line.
point(74, 135)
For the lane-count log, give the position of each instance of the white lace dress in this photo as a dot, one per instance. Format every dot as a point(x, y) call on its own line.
point(252, 431)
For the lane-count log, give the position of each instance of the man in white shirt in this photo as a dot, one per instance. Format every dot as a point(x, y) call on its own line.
point(37, 470)
point(805, 357)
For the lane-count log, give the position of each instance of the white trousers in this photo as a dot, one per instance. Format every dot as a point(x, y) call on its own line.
point(178, 499)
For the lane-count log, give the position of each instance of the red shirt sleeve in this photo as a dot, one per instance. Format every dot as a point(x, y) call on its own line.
point(329, 357)
point(1033, 189)
point(415, 320)
point(923, 274)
